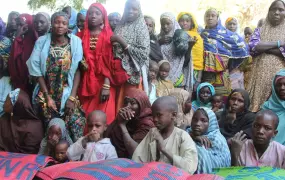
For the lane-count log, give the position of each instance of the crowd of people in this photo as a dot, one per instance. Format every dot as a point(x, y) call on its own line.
point(90, 86)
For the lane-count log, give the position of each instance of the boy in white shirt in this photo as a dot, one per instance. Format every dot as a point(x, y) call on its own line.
point(93, 146)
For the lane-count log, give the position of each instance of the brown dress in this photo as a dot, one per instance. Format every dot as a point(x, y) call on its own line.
point(22, 132)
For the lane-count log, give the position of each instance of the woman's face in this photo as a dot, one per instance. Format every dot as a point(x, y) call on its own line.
point(199, 124)
point(276, 13)
point(80, 21)
point(12, 23)
point(166, 25)
point(41, 24)
point(211, 19)
point(236, 103)
point(132, 9)
point(150, 25)
point(133, 104)
point(232, 25)
point(67, 10)
point(60, 26)
point(95, 17)
point(185, 22)
point(8, 106)
point(205, 95)
point(22, 24)
point(280, 88)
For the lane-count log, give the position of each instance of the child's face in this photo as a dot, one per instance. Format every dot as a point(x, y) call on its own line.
point(162, 117)
point(205, 95)
point(96, 124)
point(54, 134)
point(217, 102)
point(185, 22)
point(264, 129)
point(152, 73)
point(164, 71)
point(60, 152)
point(247, 33)
point(166, 25)
point(232, 25)
point(199, 124)
point(187, 106)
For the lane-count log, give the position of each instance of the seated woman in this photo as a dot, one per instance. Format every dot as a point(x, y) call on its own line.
point(276, 103)
point(185, 111)
point(224, 51)
point(205, 92)
point(213, 150)
point(236, 117)
point(261, 150)
point(132, 123)
point(21, 131)
point(54, 62)
point(155, 50)
point(56, 131)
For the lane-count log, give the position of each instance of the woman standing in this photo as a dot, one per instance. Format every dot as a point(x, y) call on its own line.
point(181, 71)
point(188, 23)
point(12, 25)
point(97, 89)
point(267, 47)
point(72, 15)
point(131, 45)
point(42, 23)
point(223, 52)
point(20, 53)
point(54, 62)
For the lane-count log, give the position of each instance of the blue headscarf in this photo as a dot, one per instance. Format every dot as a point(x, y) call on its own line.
point(278, 106)
point(197, 104)
point(72, 20)
point(83, 12)
point(114, 14)
point(219, 154)
point(221, 41)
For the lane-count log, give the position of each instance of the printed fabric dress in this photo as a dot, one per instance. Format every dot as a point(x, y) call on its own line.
point(58, 65)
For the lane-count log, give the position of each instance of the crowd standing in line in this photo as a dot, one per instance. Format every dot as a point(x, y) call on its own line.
point(90, 86)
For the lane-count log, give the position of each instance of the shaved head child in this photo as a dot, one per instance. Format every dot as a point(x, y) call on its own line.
point(167, 143)
point(93, 146)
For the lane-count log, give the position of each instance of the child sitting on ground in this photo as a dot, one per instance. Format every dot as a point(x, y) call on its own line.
point(167, 143)
point(164, 85)
point(60, 151)
point(152, 76)
point(217, 103)
point(261, 150)
point(93, 146)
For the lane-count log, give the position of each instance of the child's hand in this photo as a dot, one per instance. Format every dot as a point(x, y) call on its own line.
point(159, 139)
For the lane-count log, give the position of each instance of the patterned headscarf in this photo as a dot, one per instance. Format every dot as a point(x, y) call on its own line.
point(178, 75)
point(219, 154)
point(136, 34)
point(197, 104)
point(46, 15)
point(14, 96)
point(2, 29)
point(65, 136)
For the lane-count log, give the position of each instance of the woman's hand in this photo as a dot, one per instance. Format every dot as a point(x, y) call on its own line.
point(165, 40)
point(203, 140)
point(69, 107)
point(83, 66)
point(51, 105)
point(192, 42)
point(105, 94)
point(116, 38)
point(22, 30)
point(125, 114)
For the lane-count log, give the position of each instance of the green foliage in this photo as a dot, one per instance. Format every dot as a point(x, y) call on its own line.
point(57, 4)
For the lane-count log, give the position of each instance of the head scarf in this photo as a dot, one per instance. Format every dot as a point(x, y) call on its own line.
point(181, 95)
point(198, 48)
point(46, 15)
point(2, 29)
point(102, 54)
point(20, 53)
point(72, 20)
point(9, 33)
point(178, 75)
point(243, 120)
point(278, 106)
point(136, 35)
point(196, 104)
point(65, 136)
point(219, 154)
point(221, 41)
point(14, 96)
point(56, 14)
point(83, 12)
point(114, 14)
point(230, 19)
point(162, 61)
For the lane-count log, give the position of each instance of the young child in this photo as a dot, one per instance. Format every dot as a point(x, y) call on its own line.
point(152, 76)
point(93, 146)
point(167, 143)
point(217, 103)
point(60, 151)
point(204, 94)
point(247, 33)
point(164, 85)
point(261, 150)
